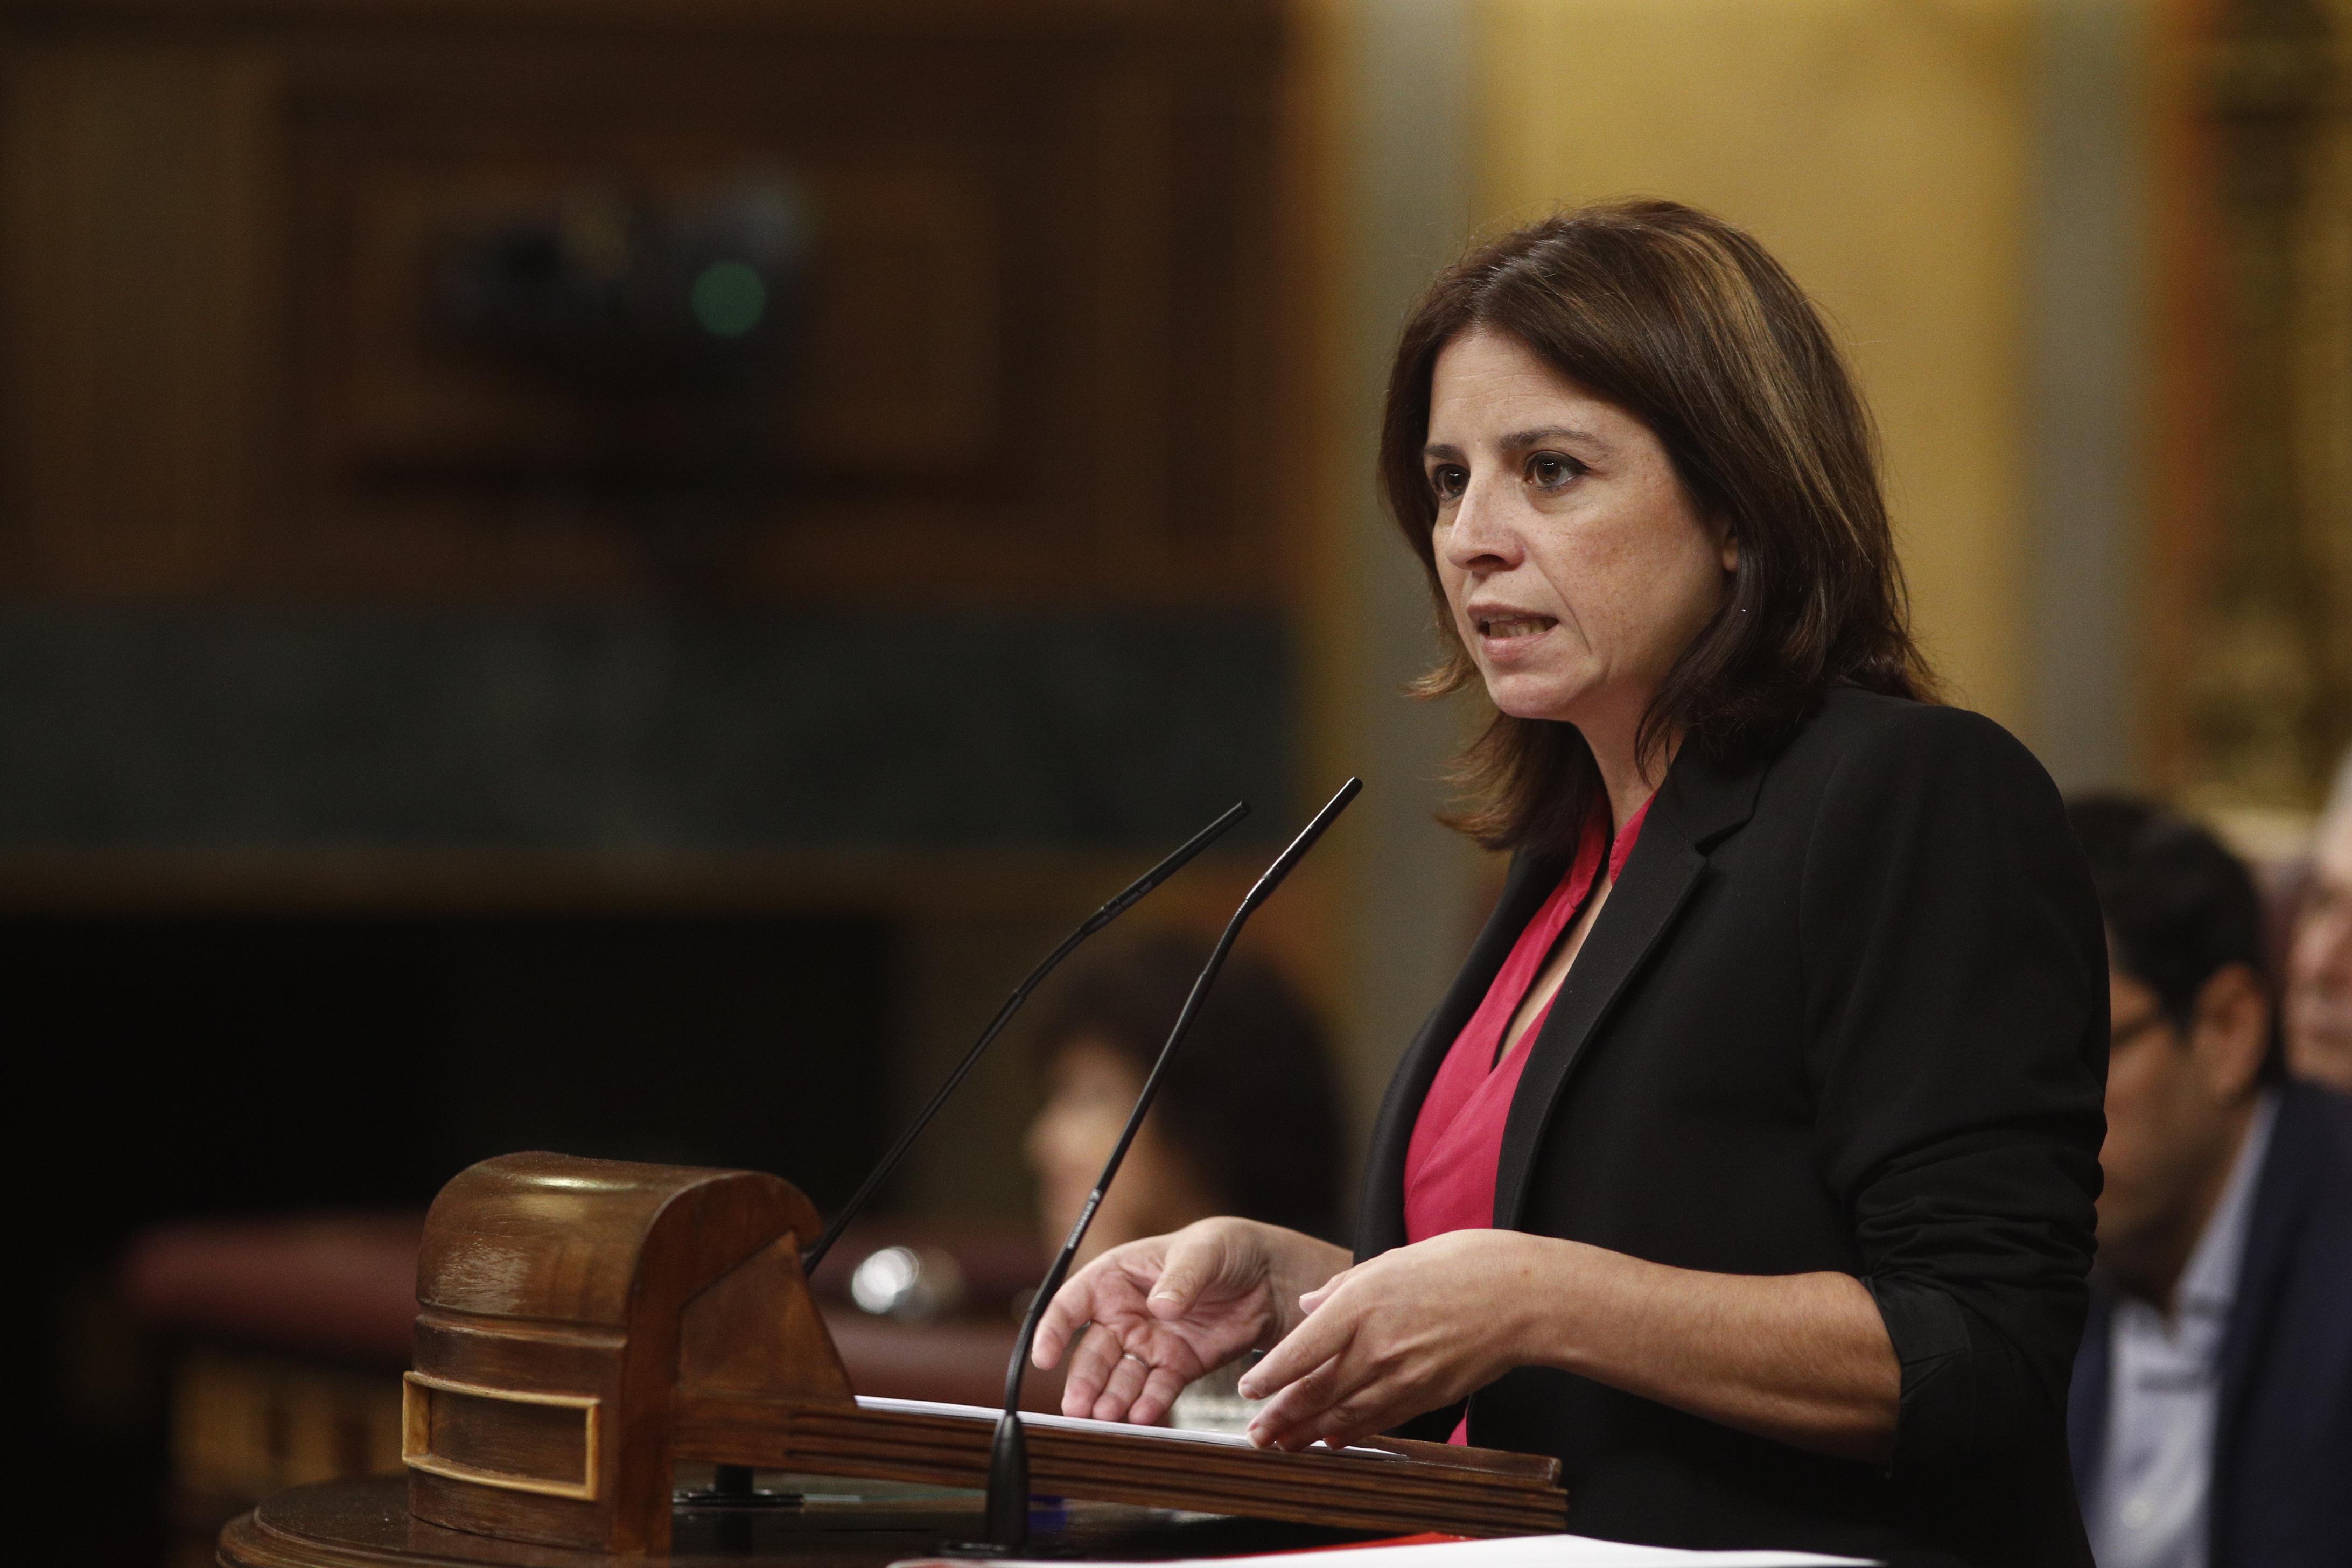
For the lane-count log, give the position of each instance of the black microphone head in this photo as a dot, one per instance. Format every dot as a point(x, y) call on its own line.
point(1119, 905)
point(1303, 843)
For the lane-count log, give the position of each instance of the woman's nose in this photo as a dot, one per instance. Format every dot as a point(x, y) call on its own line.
point(1480, 536)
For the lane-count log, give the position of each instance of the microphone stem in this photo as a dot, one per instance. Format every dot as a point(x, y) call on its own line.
point(1007, 1526)
point(1117, 906)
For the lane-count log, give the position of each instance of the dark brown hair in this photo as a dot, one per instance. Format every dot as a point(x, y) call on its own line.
point(1688, 324)
point(2180, 908)
point(1251, 1101)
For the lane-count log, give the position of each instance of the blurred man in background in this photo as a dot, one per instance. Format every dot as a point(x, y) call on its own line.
point(2211, 1413)
point(2319, 966)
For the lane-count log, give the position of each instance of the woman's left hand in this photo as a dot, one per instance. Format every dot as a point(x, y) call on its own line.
point(1406, 1331)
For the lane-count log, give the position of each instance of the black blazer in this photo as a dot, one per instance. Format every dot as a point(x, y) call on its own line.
point(1846, 1009)
point(2282, 1484)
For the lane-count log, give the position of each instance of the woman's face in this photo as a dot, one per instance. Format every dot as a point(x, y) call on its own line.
point(1576, 567)
point(1090, 1087)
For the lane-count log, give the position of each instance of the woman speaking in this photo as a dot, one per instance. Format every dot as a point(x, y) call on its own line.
point(1749, 1164)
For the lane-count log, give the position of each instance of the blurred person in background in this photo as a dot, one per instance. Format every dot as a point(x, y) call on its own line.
point(2211, 1415)
point(2319, 965)
point(1247, 1122)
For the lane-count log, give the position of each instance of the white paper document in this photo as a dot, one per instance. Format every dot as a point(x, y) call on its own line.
point(1511, 1551)
point(1033, 1419)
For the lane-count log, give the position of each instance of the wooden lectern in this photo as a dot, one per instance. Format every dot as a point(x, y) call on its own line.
point(587, 1325)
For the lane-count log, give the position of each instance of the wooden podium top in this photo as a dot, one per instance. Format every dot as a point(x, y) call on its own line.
point(841, 1525)
point(585, 1327)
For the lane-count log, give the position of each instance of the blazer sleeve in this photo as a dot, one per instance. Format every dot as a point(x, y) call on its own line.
point(1955, 975)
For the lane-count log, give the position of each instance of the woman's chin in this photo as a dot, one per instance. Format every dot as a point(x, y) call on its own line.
point(1523, 695)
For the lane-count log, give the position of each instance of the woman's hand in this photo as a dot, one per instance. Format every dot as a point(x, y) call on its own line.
point(1403, 1333)
point(1169, 1309)
point(1803, 1359)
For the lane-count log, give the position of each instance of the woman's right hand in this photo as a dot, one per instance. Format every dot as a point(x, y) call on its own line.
point(1169, 1309)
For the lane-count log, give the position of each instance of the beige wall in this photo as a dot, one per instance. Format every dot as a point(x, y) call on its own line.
point(1383, 179)
point(1881, 149)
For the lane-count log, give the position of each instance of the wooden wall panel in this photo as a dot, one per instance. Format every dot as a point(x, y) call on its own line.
point(133, 204)
point(1036, 368)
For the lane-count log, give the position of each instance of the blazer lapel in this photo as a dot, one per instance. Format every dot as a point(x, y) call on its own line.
point(1696, 806)
point(1380, 1224)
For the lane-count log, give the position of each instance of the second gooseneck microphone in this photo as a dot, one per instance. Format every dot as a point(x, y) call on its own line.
point(1008, 1458)
point(1102, 917)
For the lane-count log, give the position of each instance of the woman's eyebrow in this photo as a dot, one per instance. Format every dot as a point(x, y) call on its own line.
point(1520, 440)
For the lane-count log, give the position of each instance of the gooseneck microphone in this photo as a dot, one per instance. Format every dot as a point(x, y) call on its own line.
point(1102, 917)
point(1007, 1522)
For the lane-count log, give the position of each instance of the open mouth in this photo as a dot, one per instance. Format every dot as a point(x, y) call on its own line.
point(1516, 625)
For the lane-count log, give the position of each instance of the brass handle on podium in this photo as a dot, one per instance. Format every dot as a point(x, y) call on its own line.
point(510, 1428)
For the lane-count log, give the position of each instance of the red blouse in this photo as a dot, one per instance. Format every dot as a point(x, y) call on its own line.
point(1457, 1139)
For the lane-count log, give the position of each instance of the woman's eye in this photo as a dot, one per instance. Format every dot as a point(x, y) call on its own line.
point(1448, 481)
point(1550, 470)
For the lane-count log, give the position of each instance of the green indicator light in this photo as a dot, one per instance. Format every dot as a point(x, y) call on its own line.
point(728, 299)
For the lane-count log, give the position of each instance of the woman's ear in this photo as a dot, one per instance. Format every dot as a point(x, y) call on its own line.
point(1726, 541)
